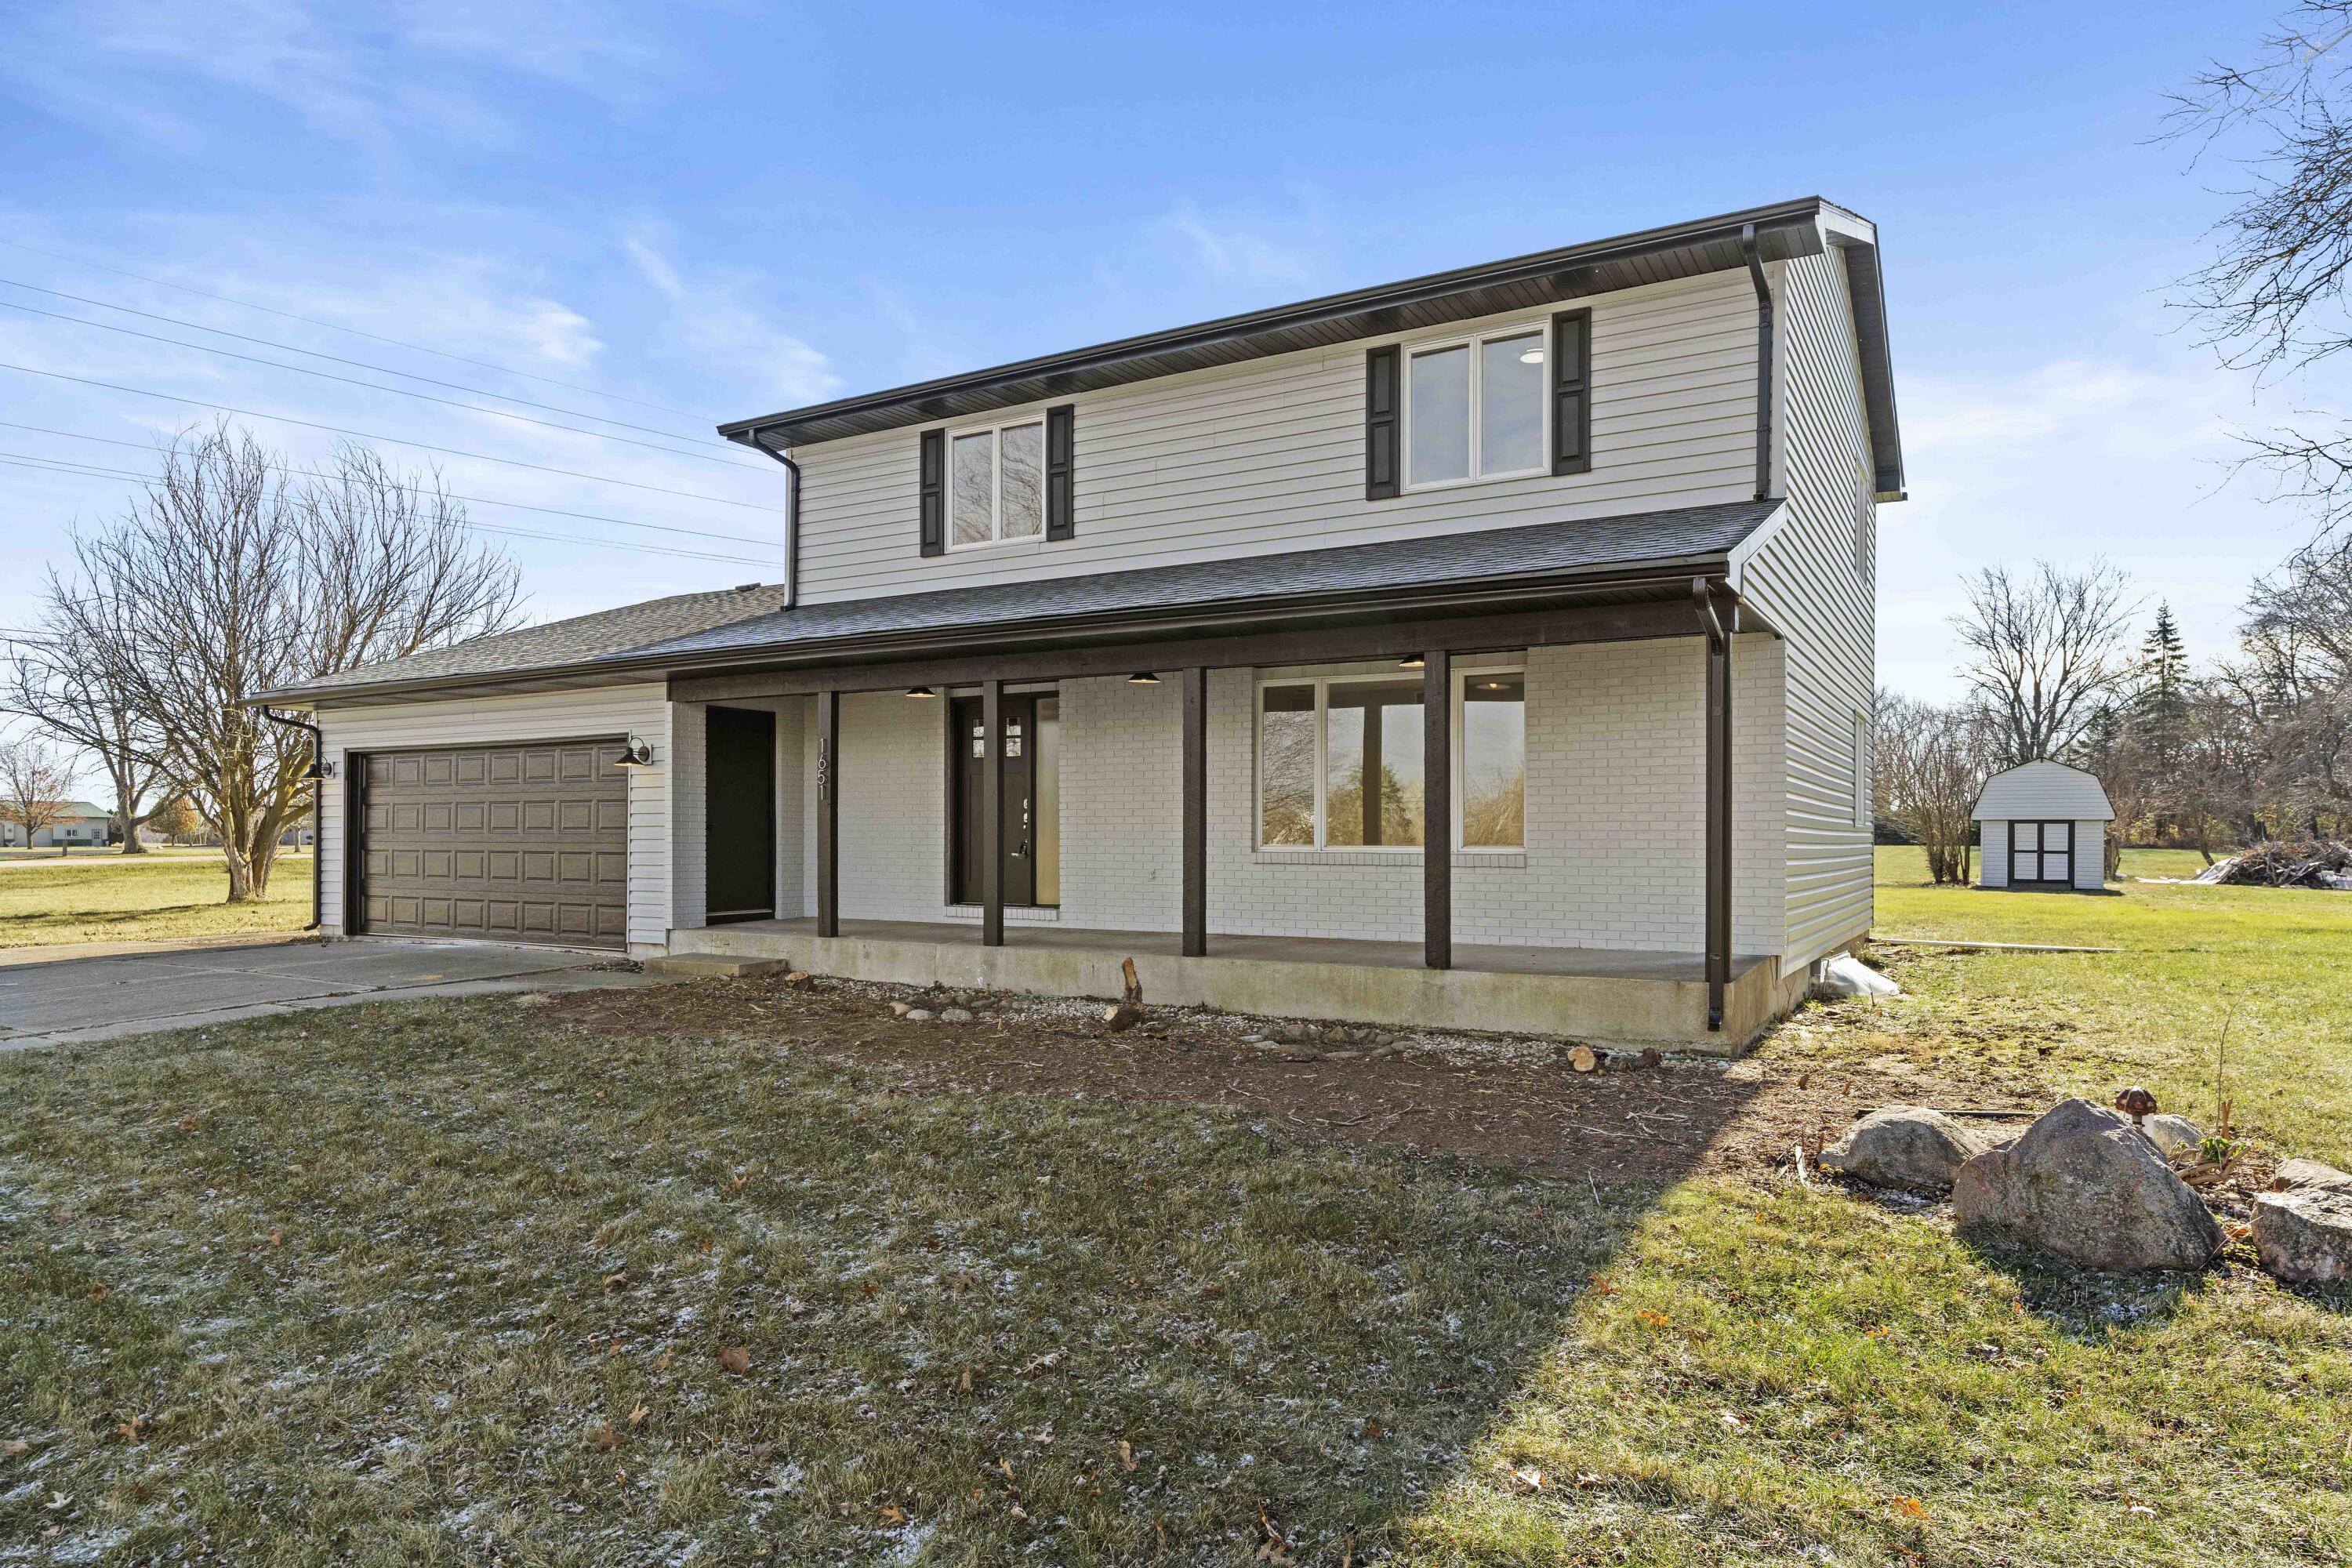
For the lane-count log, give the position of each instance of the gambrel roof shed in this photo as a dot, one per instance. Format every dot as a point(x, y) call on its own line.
point(2044, 791)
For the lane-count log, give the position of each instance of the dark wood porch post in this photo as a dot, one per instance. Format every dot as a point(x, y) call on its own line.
point(1196, 812)
point(828, 814)
point(1718, 812)
point(1437, 809)
point(992, 815)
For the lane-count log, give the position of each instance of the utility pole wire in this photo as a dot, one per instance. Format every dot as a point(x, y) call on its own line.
point(338, 327)
point(478, 500)
point(395, 440)
point(371, 385)
point(361, 364)
point(92, 471)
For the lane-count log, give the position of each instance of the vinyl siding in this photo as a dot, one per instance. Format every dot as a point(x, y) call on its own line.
point(1813, 579)
point(1268, 456)
point(2044, 791)
point(640, 710)
point(2089, 868)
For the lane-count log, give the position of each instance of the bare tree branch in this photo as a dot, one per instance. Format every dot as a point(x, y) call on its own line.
point(2045, 650)
point(35, 778)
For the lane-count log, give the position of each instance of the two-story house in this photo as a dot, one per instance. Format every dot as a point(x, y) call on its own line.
point(1491, 648)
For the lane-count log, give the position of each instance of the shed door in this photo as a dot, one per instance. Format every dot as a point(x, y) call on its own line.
point(506, 843)
point(2042, 852)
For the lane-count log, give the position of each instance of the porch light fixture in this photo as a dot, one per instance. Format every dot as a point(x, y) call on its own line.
point(920, 691)
point(318, 770)
point(1143, 678)
point(636, 753)
point(1411, 661)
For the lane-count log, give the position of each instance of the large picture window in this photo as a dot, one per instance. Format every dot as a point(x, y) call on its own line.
point(1339, 761)
point(996, 485)
point(1475, 409)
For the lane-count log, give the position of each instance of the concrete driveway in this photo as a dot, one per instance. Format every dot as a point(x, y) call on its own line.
point(58, 997)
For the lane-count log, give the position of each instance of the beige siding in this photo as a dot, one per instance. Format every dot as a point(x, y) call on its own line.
point(1268, 456)
point(641, 709)
point(1812, 578)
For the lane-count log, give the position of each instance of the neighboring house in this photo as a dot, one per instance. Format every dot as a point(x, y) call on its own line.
point(81, 825)
point(1172, 647)
point(2043, 828)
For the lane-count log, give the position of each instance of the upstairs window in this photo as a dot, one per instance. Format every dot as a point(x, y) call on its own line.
point(996, 485)
point(1475, 409)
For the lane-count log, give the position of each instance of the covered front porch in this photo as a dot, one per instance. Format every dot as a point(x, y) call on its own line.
point(1613, 995)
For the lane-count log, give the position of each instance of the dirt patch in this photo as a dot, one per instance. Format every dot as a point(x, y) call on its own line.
point(1511, 1098)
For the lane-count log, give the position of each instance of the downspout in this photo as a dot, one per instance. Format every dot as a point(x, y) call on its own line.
point(1717, 803)
point(318, 822)
point(792, 521)
point(1763, 362)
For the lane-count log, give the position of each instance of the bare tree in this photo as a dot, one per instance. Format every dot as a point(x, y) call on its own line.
point(222, 580)
point(35, 778)
point(2045, 650)
point(2273, 299)
point(66, 688)
point(1930, 764)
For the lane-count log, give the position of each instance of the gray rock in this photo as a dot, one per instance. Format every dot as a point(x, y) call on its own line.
point(2084, 1185)
point(2306, 1237)
point(956, 1016)
point(1846, 976)
point(900, 1009)
point(2294, 1175)
point(917, 1015)
point(1908, 1147)
point(2174, 1136)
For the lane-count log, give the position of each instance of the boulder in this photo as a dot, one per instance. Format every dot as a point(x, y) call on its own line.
point(2083, 1185)
point(956, 1016)
point(2305, 1235)
point(2174, 1136)
point(1846, 976)
point(2294, 1175)
point(1908, 1147)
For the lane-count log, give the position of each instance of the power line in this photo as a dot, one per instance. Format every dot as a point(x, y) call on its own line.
point(338, 327)
point(416, 489)
point(338, 359)
point(395, 440)
point(371, 386)
point(91, 471)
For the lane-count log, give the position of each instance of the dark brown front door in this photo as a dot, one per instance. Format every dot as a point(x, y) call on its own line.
point(968, 736)
point(739, 819)
point(513, 843)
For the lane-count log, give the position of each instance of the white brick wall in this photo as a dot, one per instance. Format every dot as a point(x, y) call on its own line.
point(1616, 833)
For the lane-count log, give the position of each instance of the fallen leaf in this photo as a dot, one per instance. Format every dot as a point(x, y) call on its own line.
point(275, 1237)
point(603, 1438)
point(130, 1429)
point(12, 1448)
point(965, 1381)
point(735, 1358)
point(637, 1416)
point(98, 1293)
point(1371, 1429)
point(1912, 1505)
point(1728, 1419)
point(1006, 1465)
point(189, 1123)
point(1046, 1362)
point(1126, 1454)
point(893, 1514)
point(1528, 1480)
point(615, 1282)
point(1586, 1480)
point(57, 1500)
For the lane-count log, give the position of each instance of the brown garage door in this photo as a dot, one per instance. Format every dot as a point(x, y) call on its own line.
point(515, 843)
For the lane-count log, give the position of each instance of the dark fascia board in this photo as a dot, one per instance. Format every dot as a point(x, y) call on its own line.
point(1867, 285)
point(1784, 230)
point(1663, 576)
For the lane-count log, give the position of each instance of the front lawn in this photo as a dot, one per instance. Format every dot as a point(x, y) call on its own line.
point(614, 1280)
point(141, 898)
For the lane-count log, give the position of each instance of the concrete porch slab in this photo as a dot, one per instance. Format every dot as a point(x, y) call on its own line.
point(1608, 995)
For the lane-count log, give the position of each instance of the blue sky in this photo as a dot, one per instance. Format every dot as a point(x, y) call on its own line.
point(720, 210)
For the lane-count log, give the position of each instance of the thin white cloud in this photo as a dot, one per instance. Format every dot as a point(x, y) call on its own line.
point(1237, 249)
point(717, 317)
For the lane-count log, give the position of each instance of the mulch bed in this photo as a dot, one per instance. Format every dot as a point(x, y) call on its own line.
point(1491, 1098)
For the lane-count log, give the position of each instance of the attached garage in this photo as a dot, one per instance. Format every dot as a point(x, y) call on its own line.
point(509, 843)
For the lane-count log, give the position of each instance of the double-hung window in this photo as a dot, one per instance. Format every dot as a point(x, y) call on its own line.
point(1339, 761)
point(1475, 409)
point(996, 484)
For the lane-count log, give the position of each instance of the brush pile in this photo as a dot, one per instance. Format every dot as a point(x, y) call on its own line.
point(2315, 863)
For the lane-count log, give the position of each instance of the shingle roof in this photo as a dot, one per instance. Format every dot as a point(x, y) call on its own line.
point(697, 627)
point(2042, 789)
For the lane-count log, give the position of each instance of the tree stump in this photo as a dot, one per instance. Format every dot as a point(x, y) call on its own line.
point(1129, 1010)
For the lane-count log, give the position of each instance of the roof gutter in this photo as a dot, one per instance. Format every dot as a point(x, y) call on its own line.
point(792, 514)
point(1763, 362)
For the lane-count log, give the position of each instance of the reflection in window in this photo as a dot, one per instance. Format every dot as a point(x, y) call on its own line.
point(975, 488)
point(1440, 416)
point(1023, 501)
point(1286, 751)
point(1494, 760)
point(1372, 751)
point(1476, 410)
point(997, 484)
point(1510, 404)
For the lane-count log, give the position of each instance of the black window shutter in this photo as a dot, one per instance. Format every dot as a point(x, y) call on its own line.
point(1381, 466)
point(1571, 393)
point(932, 471)
point(1061, 494)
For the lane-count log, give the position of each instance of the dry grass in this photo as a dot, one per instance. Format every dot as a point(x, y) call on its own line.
point(117, 897)
point(390, 1284)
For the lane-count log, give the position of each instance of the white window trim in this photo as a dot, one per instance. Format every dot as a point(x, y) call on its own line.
point(1320, 849)
point(1541, 329)
point(997, 537)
